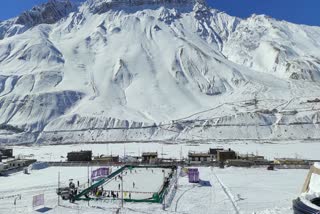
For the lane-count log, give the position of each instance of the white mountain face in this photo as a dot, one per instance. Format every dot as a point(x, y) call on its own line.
point(127, 70)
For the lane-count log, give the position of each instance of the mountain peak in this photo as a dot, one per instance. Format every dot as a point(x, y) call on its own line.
point(101, 6)
point(47, 13)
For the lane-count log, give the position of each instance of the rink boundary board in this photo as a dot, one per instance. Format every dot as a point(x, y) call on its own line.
point(156, 198)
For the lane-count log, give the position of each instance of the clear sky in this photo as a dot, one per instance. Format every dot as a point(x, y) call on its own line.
point(297, 11)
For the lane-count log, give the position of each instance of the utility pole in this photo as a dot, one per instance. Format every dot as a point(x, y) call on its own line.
point(15, 205)
point(164, 200)
point(176, 178)
point(162, 151)
point(121, 189)
point(88, 175)
point(59, 187)
point(164, 193)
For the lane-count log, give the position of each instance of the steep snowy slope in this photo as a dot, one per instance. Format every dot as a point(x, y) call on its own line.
point(127, 70)
point(280, 48)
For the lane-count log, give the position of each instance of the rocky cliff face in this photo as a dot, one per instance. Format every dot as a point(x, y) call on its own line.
point(48, 13)
point(154, 70)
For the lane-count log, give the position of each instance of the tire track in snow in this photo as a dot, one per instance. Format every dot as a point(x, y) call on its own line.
point(213, 191)
point(177, 202)
point(33, 188)
point(229, 194)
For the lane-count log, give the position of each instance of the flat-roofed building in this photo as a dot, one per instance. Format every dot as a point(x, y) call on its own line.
point(16, 163)
point(149, 157)
point(214, 151)
point(195, 157)
point(80, 156)
point(107, 158)
point(290, 161)
point(239, 163)
point(7, 153)
point(224, 155)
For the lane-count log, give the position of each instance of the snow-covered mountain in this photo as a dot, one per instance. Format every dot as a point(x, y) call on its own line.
point(126, 70)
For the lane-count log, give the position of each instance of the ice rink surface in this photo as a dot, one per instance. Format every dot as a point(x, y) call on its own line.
point(142, 183)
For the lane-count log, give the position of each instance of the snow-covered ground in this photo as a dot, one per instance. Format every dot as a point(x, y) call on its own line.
point(233, 190)
point(38, 182)
point(270, 149)
point(246, 191)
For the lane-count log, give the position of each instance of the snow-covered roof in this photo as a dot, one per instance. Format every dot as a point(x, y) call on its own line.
point(314, 185)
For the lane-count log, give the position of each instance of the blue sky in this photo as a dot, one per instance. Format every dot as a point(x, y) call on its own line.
point(297, 11)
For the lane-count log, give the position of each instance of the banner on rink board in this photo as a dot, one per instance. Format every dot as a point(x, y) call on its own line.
point(38, 200)
point(101, 172)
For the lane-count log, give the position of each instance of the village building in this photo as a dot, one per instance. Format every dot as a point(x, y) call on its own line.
point(16, 163)
point(290, 161)
point(131, 159)
point(198, 157)
point(223, 155)
point(167, 160)
point(239, 163)
point(107, 159)
point(19, 163)
point(251, 157)
point(6, 153)
point(149, 157)
point(80, 156)
point(214, 151)
point(256, 159)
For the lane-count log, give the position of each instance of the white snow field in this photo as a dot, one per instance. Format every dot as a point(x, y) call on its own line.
point(143, 70)
point(233, 190)
point(238, 190)
point(38, 182)
point(270, 149)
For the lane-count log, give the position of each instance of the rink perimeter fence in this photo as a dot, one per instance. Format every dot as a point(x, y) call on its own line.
point(166, 193)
